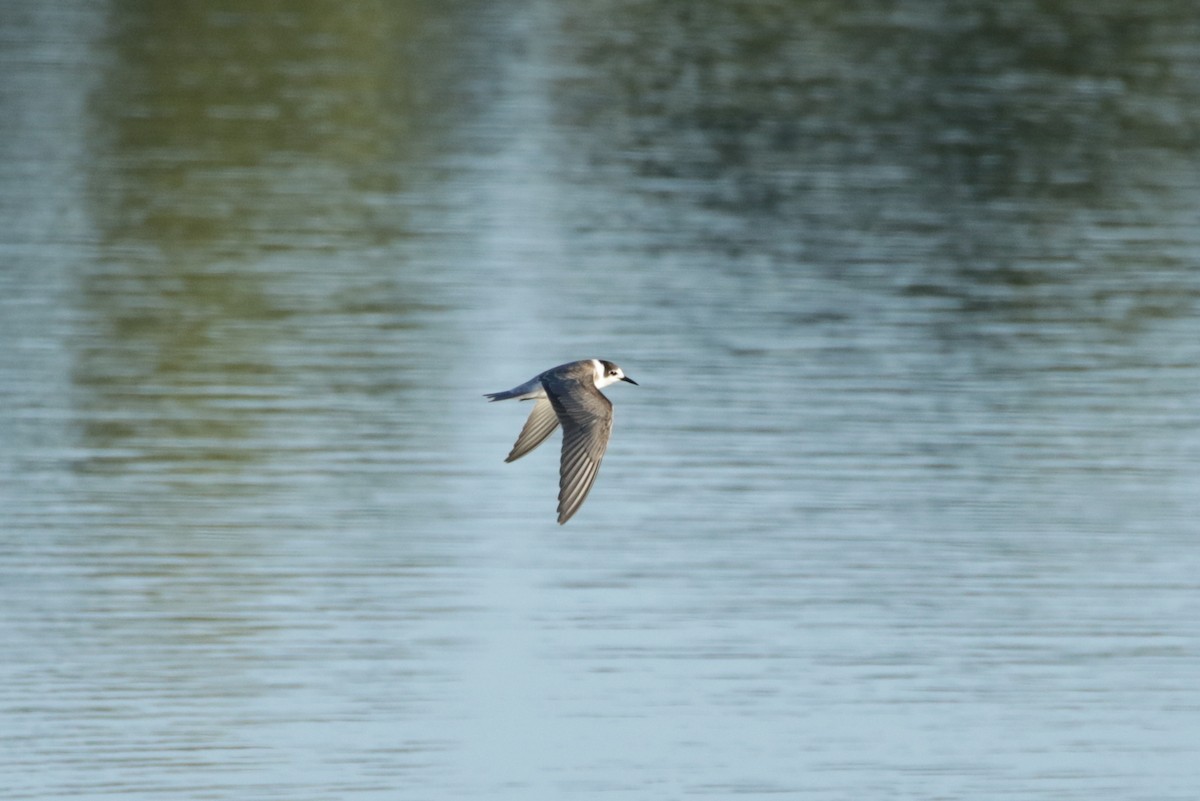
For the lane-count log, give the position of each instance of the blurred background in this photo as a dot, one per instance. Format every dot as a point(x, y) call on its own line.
point(904, 507)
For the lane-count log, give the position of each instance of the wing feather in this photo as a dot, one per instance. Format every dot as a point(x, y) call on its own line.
point(541, 424)
point(586, 417)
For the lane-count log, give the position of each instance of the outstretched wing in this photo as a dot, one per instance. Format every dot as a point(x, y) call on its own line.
point(586, 418)
point(541, 424)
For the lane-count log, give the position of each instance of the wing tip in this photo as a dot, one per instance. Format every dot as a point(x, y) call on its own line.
point(567, 507)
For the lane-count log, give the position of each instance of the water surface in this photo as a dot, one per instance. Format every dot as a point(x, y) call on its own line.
point(905, 504)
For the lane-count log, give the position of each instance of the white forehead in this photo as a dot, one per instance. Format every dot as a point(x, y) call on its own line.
point(602, 379)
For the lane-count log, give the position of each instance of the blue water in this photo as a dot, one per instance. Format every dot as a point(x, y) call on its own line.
point(905, 503)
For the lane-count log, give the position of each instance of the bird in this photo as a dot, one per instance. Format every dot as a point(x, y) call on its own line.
point(569, 395)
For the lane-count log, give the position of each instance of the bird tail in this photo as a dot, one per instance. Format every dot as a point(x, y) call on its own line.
point(528, 391)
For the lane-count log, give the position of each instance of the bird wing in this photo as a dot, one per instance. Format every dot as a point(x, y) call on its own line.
point(586, 418)
point(541, 424)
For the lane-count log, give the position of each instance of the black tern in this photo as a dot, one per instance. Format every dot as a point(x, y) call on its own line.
point(569, 395)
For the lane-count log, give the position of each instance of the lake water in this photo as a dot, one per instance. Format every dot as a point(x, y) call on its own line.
point(904, 507)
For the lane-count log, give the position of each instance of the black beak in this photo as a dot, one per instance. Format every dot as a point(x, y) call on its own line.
point(630, 380)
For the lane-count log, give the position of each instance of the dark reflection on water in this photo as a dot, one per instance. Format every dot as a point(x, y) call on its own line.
point(904, 505)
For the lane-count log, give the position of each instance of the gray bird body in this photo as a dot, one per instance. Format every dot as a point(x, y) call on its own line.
point(569, 395)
